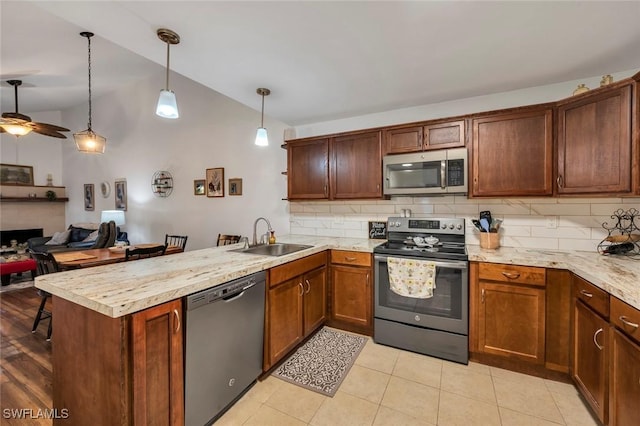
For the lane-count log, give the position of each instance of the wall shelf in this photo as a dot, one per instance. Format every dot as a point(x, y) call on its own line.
point(33, 200)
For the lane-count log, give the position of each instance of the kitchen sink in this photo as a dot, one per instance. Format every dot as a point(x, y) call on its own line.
point(278, 249)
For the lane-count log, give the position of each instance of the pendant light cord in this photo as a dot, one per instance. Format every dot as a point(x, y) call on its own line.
point(89, 69)
point(168, 47)
point(262, 113)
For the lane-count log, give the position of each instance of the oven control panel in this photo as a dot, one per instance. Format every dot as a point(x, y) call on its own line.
point(433, 225)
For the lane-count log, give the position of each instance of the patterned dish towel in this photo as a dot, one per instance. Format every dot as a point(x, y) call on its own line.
point(411, 277)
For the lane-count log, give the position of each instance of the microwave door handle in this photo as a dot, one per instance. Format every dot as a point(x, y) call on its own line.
point(443, 174)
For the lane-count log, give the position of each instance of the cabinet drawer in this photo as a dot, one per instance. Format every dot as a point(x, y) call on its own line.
point(592, 296)
point(512, 274)
point(626, 318)
point(354, 258)
point(293, 269)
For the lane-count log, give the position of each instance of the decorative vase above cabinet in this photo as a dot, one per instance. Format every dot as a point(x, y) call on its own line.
point(162, 184)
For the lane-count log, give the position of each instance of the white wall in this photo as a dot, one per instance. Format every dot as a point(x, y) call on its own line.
point(43, 153)
point(516, 98)
point(212, 131)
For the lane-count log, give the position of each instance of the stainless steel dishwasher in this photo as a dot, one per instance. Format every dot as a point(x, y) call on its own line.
point(223, 346)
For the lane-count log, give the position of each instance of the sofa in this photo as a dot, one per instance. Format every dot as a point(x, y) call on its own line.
point(78, 237)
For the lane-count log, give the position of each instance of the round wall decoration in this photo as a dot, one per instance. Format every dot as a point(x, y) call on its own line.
point(105, 189)
point(162, 183)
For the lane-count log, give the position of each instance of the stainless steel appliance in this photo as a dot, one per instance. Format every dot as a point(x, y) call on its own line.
point(439, 325)
point(223, 347)
point(431, 172)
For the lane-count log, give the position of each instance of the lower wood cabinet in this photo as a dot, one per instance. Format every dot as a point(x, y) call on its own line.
point(590, 361)
point(625, 381)
point(296, 305)
point(158, 383)
point(509, 312)
point(351, 291)
point(126, 370)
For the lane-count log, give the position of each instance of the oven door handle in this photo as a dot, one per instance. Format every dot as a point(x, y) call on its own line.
point(454, 264)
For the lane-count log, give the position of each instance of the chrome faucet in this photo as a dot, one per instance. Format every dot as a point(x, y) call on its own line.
point(255, 236)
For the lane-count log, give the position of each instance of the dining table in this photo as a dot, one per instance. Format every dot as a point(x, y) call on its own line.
point(102, 256)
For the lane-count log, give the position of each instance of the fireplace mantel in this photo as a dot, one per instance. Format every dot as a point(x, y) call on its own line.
point(27, 207)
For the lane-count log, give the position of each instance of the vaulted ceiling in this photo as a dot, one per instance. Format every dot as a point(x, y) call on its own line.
point(322, 60)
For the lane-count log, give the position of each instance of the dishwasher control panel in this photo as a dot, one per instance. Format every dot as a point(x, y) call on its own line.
point(224, 291)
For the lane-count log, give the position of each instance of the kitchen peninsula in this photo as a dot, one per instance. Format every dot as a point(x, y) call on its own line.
point(104, 316)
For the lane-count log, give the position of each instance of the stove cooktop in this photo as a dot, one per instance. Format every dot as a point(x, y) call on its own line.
point(448, 231)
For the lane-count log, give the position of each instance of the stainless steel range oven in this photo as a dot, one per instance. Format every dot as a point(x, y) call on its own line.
point(436, 324)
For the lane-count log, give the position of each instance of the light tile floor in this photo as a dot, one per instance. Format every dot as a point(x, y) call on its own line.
point(388, 386)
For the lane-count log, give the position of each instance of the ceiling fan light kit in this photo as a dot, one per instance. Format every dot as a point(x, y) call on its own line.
point(167, 105)
point(262, 138)
point(87, 140)
point(17, 124)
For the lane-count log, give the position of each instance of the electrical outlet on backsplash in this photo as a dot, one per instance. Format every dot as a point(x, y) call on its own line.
point(526, 222)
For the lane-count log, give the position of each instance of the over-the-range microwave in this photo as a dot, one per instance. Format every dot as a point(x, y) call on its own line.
point(429, 172)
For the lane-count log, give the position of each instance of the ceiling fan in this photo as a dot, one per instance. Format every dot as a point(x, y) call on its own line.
point(19, 124)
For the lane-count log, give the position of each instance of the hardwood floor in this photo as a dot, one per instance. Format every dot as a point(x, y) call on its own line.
point(25, 360)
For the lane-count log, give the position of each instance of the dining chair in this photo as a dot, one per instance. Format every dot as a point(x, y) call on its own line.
point(224, 240)
point(144, 252)
point(46, 264)
point(175, 240)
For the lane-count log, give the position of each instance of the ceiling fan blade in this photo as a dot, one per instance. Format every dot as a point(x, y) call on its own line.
point(48, 132)
point(52, 127)
point(16, 117)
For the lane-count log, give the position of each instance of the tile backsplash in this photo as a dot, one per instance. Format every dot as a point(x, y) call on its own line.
point(543, 223)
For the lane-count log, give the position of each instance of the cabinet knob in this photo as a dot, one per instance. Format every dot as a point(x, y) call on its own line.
point(301, 289)
point(560, 181)
point(350, 259)
point(308, 286)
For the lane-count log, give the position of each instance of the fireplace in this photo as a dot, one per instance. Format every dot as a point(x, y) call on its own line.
point(20, 235)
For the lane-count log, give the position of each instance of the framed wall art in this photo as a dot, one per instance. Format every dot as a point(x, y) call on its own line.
point(121, 194)
point(89, 197)
point(198, 187)
point(235, 186)
point(215, 182)
point(13, 174)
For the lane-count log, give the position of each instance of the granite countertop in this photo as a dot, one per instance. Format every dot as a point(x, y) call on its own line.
point(617, 275)
point(124, 288)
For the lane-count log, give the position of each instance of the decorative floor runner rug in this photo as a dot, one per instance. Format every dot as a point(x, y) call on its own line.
point(323, 362)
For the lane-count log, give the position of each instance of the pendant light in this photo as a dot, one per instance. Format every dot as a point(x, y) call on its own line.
point(261, 135)
point(167, 106)
point(88, 140)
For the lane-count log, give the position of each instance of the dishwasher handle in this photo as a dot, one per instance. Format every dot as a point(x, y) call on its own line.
point(226, 292)
point(238, 295)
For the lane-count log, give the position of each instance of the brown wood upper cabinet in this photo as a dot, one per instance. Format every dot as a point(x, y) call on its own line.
point(308, 169)
point(594, 143)
point(356, 166)
point(341, 167)
point(512, 153)
point(436, 135)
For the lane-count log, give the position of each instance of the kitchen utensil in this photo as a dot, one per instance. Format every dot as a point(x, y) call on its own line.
point(486, 214)
point(495, 225)
point(485, 224)
point(477, 224)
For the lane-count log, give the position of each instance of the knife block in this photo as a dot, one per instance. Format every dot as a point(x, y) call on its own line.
point(489, 240)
